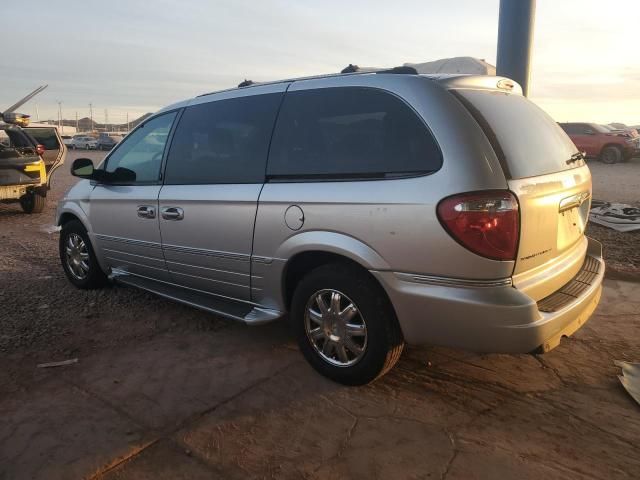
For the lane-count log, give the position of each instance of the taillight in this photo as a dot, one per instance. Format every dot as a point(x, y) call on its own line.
point(487, 223)
point(40, 149)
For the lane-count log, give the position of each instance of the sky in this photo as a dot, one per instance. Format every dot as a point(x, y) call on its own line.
point(136, 56)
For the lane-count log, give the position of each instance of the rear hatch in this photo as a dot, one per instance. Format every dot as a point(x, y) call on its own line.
point(550, 180)
point(55, 149)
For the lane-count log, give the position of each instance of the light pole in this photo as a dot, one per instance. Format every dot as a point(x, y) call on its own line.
point(60, 126)
point(515, 36)
point(91, 115)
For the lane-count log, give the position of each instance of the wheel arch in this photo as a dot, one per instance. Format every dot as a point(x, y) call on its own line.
point(72, 211)
point(306, 261)
point(612, 144)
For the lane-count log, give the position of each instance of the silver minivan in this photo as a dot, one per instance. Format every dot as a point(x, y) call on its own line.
point(371, 209)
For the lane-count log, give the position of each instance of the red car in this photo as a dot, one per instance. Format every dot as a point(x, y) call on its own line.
point(597, 141)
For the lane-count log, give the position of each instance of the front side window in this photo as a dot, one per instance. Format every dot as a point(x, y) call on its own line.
point(224, 141)
point(350, 132)
point(142, 151)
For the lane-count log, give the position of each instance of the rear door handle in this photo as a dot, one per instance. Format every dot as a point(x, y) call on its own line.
point(172, 213)
point(146, 211)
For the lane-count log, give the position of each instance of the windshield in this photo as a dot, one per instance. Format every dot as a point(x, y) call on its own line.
point(602, 128)
point(527, 140)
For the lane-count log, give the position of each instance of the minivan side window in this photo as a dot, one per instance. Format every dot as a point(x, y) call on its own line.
point(350, 132)
point(223, 141)
point(142, 151)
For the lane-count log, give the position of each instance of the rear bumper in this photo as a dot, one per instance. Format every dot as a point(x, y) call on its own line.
point(492, 316)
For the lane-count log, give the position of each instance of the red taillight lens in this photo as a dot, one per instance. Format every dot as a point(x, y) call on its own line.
point(40, 149)
point(487, 223)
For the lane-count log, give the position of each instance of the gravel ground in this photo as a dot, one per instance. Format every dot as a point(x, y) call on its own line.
point(45, 316)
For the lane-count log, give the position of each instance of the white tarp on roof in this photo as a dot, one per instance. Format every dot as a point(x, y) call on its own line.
point(469, 65)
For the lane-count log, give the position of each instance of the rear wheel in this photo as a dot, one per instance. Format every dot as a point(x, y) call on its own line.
point(611, 154)
point(33, 202)
point(78, 258)
point(345, 325)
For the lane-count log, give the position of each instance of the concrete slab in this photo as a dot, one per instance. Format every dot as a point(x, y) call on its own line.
point(163, 461)
point(164, 382)
point(57, 432)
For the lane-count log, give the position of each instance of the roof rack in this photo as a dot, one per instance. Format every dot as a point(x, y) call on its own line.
point(401, 70)
point(350, 69)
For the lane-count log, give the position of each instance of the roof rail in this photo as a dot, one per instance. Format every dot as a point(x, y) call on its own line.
point(246, 83)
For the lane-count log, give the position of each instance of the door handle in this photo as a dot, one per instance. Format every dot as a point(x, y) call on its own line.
point(172, 213)
point(145, 211)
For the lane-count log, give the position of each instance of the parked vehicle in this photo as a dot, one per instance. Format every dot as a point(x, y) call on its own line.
point(28, 157)
point(599, 142)
point(623, 132)
point(374, 209)
point(67, 140)
point(84, 142)
point(106, 141)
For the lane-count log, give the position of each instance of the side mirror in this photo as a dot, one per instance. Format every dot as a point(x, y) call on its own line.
point(83, 168)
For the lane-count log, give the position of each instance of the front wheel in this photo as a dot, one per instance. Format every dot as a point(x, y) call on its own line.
point(78, 258)
point(345, 325)
point(33, 202)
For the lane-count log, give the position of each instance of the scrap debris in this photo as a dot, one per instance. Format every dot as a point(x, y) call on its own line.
point(618, 216)
point(62, 363)
point(630, 378)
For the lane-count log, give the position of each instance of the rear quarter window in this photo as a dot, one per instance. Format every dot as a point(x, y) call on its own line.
point(526, 139)
point(350, 132)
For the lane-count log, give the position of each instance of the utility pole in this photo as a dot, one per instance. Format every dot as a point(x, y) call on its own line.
point(37, 114)
point(106, 119)
point(60, 127)
point(76, 122)
point(127, 122)
point(515, 36)
point(91, 115)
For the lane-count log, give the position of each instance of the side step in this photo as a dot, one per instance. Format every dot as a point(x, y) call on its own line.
point(244, 312)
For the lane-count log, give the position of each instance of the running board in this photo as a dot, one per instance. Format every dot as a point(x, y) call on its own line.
point(236, 310)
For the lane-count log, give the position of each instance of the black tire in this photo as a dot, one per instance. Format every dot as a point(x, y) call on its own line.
point(95, 277)
point(33, 202)
point(611, 154)
point(87, 147)
point(384, 341)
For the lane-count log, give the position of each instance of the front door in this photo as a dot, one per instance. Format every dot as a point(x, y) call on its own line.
point(214, 175)
point(124, 217)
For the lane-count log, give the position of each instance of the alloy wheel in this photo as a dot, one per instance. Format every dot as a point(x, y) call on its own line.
point(335, 328)
point(77, 256)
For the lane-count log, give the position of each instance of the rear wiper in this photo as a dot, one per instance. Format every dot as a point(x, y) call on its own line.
point(575, 157)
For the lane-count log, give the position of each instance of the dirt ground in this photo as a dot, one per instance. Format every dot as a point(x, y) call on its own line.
point(162, 391)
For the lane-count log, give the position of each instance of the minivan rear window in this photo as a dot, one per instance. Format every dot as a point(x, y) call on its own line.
point(46, 137)
point(350, 132)
point(527, 140)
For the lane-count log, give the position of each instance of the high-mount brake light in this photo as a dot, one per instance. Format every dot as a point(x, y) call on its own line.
point(487, 223)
